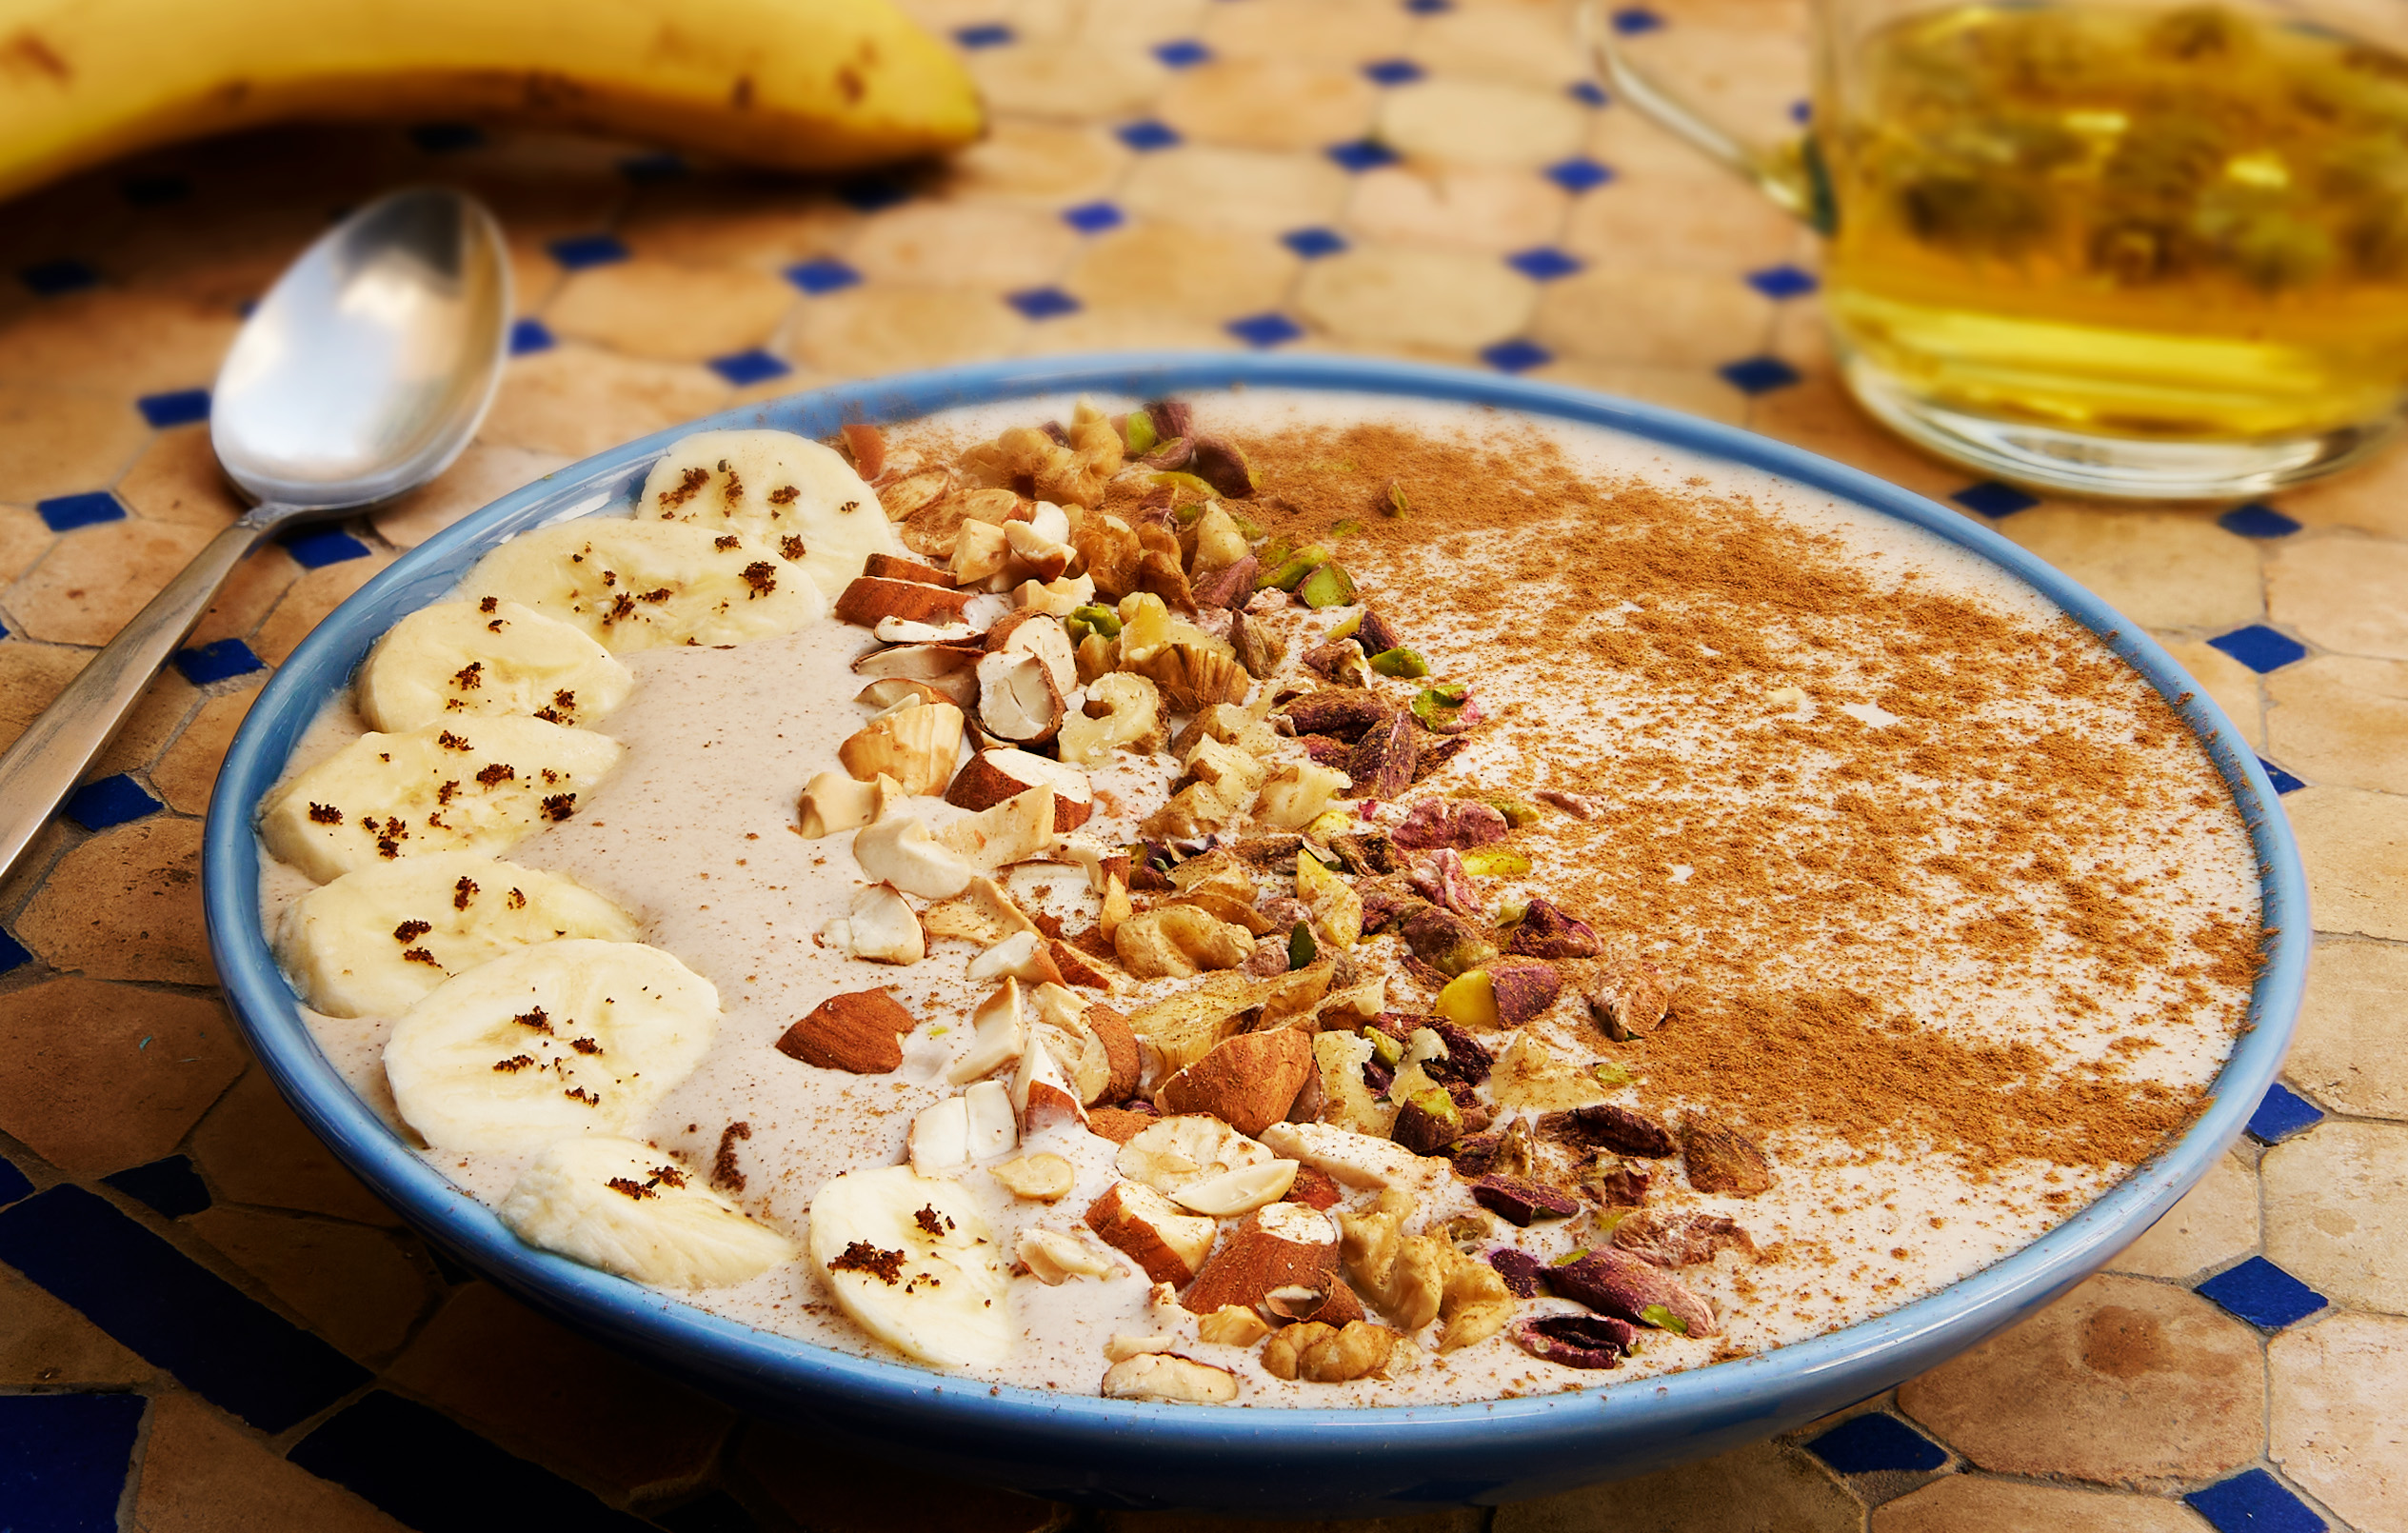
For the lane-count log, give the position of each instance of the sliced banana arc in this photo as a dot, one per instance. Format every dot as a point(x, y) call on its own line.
point(467, 659)
point(786, 492)
point(578, 1036)
point(375, 941)
point(642, 585)
point(911, 1260)
point(629, 1208)
point(482, 785)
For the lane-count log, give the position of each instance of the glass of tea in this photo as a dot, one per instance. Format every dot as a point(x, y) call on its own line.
point(2119, 249)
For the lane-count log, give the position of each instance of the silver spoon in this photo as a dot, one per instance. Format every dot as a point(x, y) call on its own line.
point(362, 375)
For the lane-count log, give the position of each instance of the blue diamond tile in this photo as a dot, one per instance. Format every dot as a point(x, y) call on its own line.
point(2281, 1113)
point(323, 545)
point(1543, 264)
point(2259, 647)
point(745, 369)
point(1993, 500)
point(64, 1461)
point(1429, 8)
point(446, 138)
point(12, 955)
point(171, 1186)
point(985, 34)
point(1517, 356)
point(872, 193)
point(1266, 329)
point(1632, 20)
point(113, 801)
point(1801, 112)
point(1360, 155)
point(2283, 782)
point(379, 1446)
point(12, 1183)
point(1147, 135)
point(161, 1303)
point(1587, 92)
point(1757, 375)
point(530, 335)
point(1043, 303)
point(154, 191)
point(1392, 72)
point(1312, 243)
point(1184, 53)
point(2254, 1501)
point(578, 251)
point(1579, 174)
point(177, 406)
point(1784, 281)
point(64, 513)
point(1878, 1441)
point(645, 169)
point(217, 660)
point(822, 276)
point(1093, 217)
point(2256, 520)
point(52, 279)
point(2262, 1294)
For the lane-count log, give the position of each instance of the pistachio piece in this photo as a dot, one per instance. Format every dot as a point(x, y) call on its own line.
point(1448, 822)
point(1401, 663)
point(1618, 1284)
point(1328, 586)
point(1624, 1130)
point(1382, 762)
point(1681, 1239)
point(1342, 712)
point(1446, 941)
point(1546, 931)
point(1575, 1341)
point(1428, 1119)
point(1721, 1158)
point(1496, 861)
point(1520, 1269)
point(1444, 878)
point(1611, 1181)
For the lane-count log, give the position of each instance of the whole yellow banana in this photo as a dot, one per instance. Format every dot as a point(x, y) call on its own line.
point(803, 85)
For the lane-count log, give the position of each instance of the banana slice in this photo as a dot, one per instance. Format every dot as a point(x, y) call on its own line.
point(474, 785)
point(578, 1036)
point(628, 1209)
point(784, 491)
point(458, 659)
point(642, 585)
point(915, 1266)
point(372, 942)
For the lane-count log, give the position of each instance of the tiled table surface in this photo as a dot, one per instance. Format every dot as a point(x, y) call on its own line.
point(205, 1322)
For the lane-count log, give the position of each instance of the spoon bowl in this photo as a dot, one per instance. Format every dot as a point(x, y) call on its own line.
point(367, 368)
point(360, 375)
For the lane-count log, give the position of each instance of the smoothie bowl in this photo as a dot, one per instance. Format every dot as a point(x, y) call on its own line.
point(1279, 934)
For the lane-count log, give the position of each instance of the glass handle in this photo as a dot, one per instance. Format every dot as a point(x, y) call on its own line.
point(1791, 175)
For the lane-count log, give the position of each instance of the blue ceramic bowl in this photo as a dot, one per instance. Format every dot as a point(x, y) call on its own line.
point(1084, 1449)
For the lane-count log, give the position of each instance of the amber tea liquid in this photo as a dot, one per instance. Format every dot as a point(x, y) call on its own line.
point(2179, 226)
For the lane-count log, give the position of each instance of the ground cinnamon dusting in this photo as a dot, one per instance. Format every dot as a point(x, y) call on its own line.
point(1992, 774)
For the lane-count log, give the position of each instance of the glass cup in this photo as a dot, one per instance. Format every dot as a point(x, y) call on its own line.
point(2141, 250)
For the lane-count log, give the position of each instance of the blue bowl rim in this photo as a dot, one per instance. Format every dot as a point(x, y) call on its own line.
point(1843, 1364)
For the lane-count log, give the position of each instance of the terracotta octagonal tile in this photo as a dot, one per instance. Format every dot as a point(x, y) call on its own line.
point(31, 676)
point(1399, 296)
point(482, 475)
point(126, 906)
point(1976, 1503)
point(1204, 274)
point(1482, 122)
point(2121, 1381)
point(2334, 1215)
point(256, 1151)
point(674, 314)
point(1269, 102)
point(2215, 1223)
point(177, 479)
point(994, 244)
point(1761, 1488)
point(1479, 208)
point(1052, 162)
point(2341, 593)
point(352, 1285)
point(185, 774)
point(2163, 569)
point(2341, 1415)
point(99, 1076)
point(2354, 846)
point(60, 441)
point(561, 1399)
point(98, 577)
point(2347, 1050)
point(203, 1474)
point(46, 1344)
point(576, 400)
point(2342, 720)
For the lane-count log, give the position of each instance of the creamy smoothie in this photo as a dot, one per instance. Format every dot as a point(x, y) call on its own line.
point(1296, 901)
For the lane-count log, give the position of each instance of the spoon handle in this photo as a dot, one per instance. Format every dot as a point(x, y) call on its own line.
point(41, 768)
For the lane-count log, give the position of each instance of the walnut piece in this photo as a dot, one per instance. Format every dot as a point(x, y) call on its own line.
point(1328, 1354)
